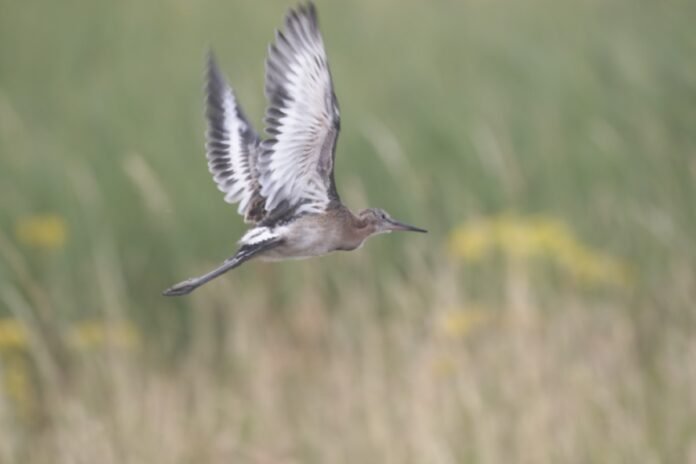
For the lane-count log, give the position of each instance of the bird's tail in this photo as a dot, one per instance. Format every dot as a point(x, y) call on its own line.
point(243, 254)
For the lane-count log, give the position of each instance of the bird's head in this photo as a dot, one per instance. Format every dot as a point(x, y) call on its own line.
point(379, 221)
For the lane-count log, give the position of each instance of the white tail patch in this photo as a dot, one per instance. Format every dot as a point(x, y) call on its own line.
point(259, 235)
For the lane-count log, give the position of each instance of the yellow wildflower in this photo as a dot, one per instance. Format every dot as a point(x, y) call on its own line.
point(472, 243)
point(589, 267)
point(44, 231)
point(537, 236)
point(458, 323)
point(516, 239)
point(12, 334)
point(552, 234)
point(88, 335)
point(14, 372)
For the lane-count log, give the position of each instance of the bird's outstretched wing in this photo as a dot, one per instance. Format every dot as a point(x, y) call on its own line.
point(296, 162)
point(232, 146)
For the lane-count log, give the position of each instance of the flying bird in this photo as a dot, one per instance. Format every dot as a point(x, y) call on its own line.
point(284, 185)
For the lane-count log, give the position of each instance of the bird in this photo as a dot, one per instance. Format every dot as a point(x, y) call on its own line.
point(284, 185)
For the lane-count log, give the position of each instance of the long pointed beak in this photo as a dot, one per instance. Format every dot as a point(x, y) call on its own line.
point(400, 226)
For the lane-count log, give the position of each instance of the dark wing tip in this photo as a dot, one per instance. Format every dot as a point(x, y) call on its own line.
point(303, 13)
point(312, 11)
point(309, 10)
point(210, 56)
point(214, 91)
point(213, 73)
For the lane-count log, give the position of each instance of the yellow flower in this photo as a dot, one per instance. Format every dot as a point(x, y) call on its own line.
point(552, 234)
point(458, 323)
point(88, 335)
point(589, 267)
point(473, 242)
point(43, 231)
point(517, 239)
point(12, 335)
point(522, 237)
point(15, 373)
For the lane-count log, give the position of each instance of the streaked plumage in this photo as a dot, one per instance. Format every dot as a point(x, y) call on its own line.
point(232, 147)
point(284, 184)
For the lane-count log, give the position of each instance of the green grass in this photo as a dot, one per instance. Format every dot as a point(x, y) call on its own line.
point(583, 112)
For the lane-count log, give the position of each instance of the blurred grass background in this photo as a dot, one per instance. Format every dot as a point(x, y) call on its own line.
point(549, 146)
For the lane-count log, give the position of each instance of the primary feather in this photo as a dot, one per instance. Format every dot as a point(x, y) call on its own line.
point(292, 171)
point(296, 162)
point(232, 147)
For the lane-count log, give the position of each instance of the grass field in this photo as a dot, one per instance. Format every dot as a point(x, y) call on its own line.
point(549, 316)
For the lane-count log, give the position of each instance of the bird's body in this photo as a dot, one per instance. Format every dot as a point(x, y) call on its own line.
point(285, 184)
point(312, 235)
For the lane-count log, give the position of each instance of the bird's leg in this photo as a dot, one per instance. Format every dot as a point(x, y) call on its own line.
point(187, 286)
point(245, 253)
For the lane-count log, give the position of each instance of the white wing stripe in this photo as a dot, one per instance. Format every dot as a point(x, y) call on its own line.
point(296, 163)
point(229, 141)
point(261, 234)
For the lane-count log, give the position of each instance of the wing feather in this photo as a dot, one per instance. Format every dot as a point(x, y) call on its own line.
point(302, 120)
point(232, 146)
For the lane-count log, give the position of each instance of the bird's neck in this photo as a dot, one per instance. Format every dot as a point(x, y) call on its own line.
point(359, 229)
